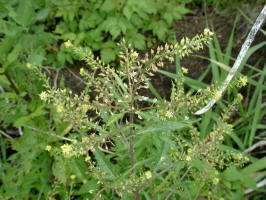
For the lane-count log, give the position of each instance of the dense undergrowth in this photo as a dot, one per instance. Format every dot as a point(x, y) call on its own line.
point(110, 141)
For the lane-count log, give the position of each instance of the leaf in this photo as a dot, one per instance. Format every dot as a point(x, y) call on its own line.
point(24, 13)
point(13, 55)
point(108, 6)
point(115, 117)
point(107, 55)
point(256, 166)
point(104, 164)
point(42, 14)
point(163, 126)
point(119, 82)
point(128, 11)
point(138, 41)
point(9, 95)
point(59, 170)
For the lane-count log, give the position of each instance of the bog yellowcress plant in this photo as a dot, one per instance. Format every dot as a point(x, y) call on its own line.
point(112, 143)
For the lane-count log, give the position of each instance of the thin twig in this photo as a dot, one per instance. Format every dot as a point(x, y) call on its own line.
point(98, 193)
point(239, 59)
point(76, 76)
point(107, 151)
point(56, 78)
point(6, 135)
point(154, 177)
point(181, 179)
point(258, 144)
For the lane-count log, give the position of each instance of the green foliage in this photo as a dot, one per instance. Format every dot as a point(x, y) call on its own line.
point(36, 28)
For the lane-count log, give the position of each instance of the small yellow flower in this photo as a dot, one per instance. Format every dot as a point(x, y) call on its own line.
point(88, 158)
point(28, 65)
point(81, 71)
point(43, 96)
point(85, 107)
point(68, 44)
point(84, 181)
point(66, 150)
point(59, 108)
point(169, 114)
point(135, 54)
point(215, 181)
point(243, 80)
point(72, 177)
point(184, 70)
point(148, 174)
point(208, 32)
point(240, 96)
point(217, 95)
point(221, 138)
point(188, 158)
point(48, 148)
point(189, 150)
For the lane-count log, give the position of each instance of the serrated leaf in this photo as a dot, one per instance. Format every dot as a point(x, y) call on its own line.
point(13, 55)
point(107, 55)
point(119, 82)
point(115, 118)
point(104, 164)
point(128, 11)
point(163, 126)
point(59, 170)
point(42, 14)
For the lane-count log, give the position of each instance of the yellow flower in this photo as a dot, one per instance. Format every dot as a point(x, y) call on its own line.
point(68, 43)
point(48, 148)
point(59, 108)
point(168, 114)
point(215, 181)
point(135, 54)
point(188, 158)
point(85, 107)
point(208, 32)
point(43, 96)
point(148, 174)
point(66, 150)
point(184, 70)
point(189, 150)
point(72, 177)
point(243, 80)
point(84, 181)
point(88, 158)
point(81, 71)
point(217, 95)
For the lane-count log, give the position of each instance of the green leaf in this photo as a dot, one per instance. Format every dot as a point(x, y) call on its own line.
point(13, 55)
point(24, 13)
point(42, 14)
point(128, 11)
point(115, 117)
point(108, 54)
point(59, 170)
point(108, 6)
point(104, 164)
point(256, 166)
point(163, 126)
point(9, 95)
